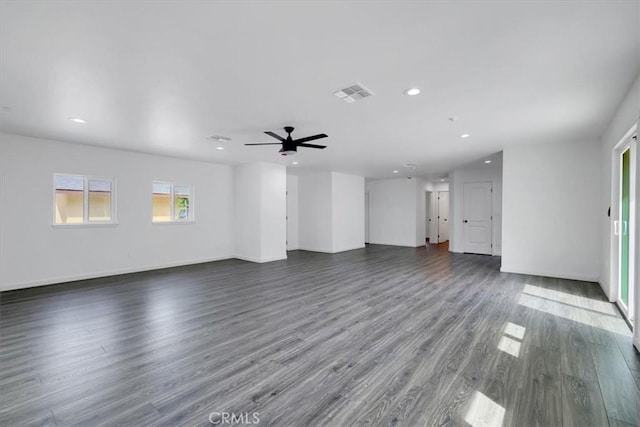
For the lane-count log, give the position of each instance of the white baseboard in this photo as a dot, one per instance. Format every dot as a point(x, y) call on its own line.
point(350, 249)
point(327, 251)
point(549, 274)
point(605, 289)
point(259, 260)
point(324, 251)
point(78, 277)
point(397, 244)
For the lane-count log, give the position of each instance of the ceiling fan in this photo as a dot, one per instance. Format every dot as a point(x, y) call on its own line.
point(289, 145)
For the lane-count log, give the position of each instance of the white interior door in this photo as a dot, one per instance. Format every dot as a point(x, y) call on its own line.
point(443, 216)
point(477, 230)
point(433, 228)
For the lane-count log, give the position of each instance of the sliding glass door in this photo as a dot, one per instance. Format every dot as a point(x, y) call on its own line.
point(625, 211)
point(624, 207)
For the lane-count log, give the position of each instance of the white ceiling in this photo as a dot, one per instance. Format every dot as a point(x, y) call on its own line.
point(160, 77)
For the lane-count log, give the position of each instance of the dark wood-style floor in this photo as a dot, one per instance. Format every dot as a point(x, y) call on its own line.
point(378, 336)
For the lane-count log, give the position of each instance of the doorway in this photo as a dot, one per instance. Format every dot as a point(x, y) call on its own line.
point(477, 227)
point(623, 213)
point(442, 203)
point(428, 216)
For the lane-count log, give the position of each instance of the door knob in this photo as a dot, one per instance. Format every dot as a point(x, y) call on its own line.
point(465, 221)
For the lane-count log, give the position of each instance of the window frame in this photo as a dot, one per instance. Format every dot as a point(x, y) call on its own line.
point(172, 214)
point(86, 223)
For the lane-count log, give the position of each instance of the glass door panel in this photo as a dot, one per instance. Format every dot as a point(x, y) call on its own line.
point(625, 200)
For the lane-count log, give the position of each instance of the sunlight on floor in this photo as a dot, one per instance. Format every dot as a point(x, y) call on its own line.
point(510, 346)
point(575, 300)
point(484, 412)
point(514, 330)
point(571, 312)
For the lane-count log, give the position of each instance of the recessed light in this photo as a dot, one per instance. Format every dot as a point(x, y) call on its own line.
point(294, 163)
point(77, 120)
point(412, 92)
point(395, 171)
point(441, 179)
point(487, 161)
point(465, 135)
point(220, 148)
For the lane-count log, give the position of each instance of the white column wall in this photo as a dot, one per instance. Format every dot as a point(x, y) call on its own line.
point(273, 211)
point(347, 206)
point(292, 213)
point(260, 212)
point(330, 212)
point(551, 207)
point(247, 212)
point(315, 212)
point(395, 212)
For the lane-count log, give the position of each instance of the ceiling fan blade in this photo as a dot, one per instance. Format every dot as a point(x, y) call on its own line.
point(312, 146)
point(275, 135)
point(310, 138)
point(265, 143)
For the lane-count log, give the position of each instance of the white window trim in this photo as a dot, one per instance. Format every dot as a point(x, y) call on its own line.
point(85, 202)
point(172, 221)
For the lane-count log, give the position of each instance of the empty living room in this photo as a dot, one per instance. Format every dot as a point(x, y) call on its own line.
point(319, 213)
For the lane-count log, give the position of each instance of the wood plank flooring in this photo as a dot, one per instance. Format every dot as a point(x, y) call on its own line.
point(377, 336)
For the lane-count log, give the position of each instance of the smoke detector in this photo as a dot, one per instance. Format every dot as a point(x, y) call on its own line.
point(353, 93)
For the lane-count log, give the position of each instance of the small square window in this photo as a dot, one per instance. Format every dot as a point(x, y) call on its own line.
point(83, 200)
point(172, 203)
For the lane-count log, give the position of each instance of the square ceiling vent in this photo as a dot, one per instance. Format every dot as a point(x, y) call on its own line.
point(353, 93)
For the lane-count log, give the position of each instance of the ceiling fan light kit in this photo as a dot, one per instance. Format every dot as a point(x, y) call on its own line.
point(290, 145)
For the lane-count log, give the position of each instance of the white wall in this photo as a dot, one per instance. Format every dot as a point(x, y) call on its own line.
point(395, 216)
point(35, 253)
point(292, 212)
point(260, 209)
point(624, 119)
point(330, 212)
point(551, 209)
point(347, 207)
point(491, 173)
point(273, 211)
point(315, 228)
point(247, 207)
point(421, 211)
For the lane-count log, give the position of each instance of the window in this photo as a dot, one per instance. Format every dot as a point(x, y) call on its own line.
point(83, 200)
point(172, 202)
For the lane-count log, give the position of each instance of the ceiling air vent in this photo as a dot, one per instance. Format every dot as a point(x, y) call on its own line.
point(219, 138)
point(353, 93)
